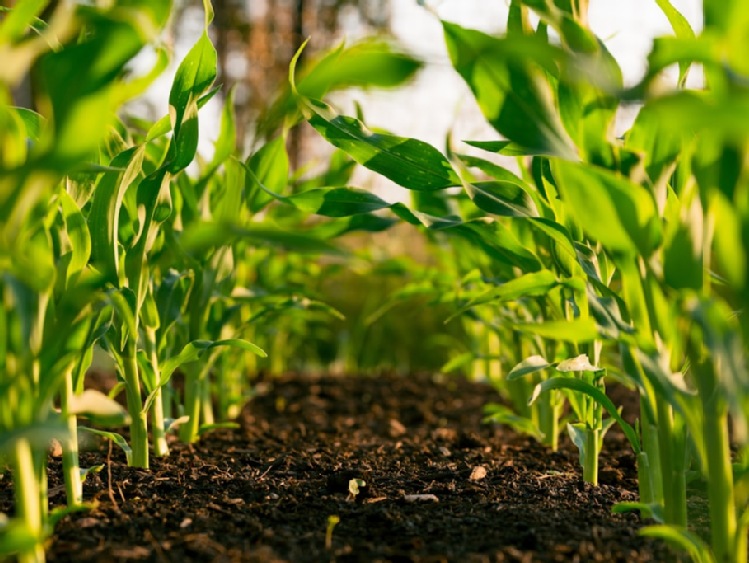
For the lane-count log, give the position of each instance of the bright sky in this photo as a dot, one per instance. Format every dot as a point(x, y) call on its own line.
point(438, 100)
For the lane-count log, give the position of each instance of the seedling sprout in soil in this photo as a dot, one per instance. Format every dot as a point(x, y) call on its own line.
point(601, 258)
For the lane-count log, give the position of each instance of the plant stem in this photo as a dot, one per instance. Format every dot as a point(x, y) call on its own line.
point(139, 419)
point(27, 493)
point(592, 450)
point(70, 464)
point(160, 446)
point(649, 434)
point(723, 526)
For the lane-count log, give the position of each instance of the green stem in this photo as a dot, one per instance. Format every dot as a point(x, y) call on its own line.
point(592, 450)
point(188, 432)
point(548, 420)
point(139, 419)
point(206, 401)
point(723, 526)
point(158, 430)
point(27, 491)
point(649, 435)
point(644, 478)
point(70, 465)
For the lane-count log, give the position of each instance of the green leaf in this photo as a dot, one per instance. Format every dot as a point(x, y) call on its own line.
point(226, 143)
point(410, 163)
point(507, 78)
point(576, 330)
point(203, 236)
point(337, 202)
point(270, 173)
point(506, 199)
point(681, 28)
point(104, 216)
point(194, 77)
point(371, 63)
point(698, 550)
point(530, 365)
point(730, 253)
point(78, 233)
point(535, 284)
point(683, 266)
point(580, 386)
point(95, 61)
point(611, 209)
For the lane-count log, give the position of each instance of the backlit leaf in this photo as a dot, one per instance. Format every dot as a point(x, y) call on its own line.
point(511, 88)
point(410, 163)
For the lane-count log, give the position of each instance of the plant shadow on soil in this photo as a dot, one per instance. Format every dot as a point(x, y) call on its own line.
point(265, 491)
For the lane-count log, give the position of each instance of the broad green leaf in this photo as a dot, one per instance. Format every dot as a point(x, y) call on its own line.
point(410, 163)
point(226, 143)
point(530, 365)
point(576, 330)
point(203, 236)
point(78, 233)
point(499, 241)
point(32, 121)
point(371, 63)
point(580, 386)
point(501, 198)
point(683, 266)
point(195, 76)
point(95, 62)
point(511, 88)
point(611, 209)
point(104, 216)
point(730, 253)
point(270, 170)
point(562, 248)
point(506, 148)
point(337, 202)
point(681, 28)
point(534, 284)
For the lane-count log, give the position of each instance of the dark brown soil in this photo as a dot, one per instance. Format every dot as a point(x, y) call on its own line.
point(268, 491)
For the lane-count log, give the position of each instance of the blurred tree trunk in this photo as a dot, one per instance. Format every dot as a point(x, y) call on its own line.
point(256, 40)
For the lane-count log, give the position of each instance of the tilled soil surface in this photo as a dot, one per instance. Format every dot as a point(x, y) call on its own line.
point(439, 486)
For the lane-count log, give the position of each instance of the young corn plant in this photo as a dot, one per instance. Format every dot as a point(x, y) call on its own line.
point(656, 221)
point(52, 301)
